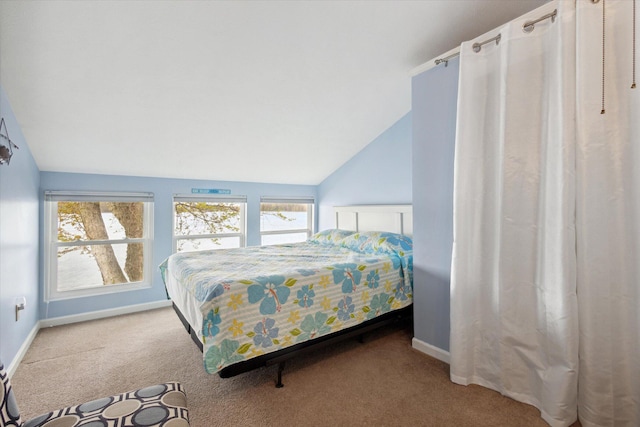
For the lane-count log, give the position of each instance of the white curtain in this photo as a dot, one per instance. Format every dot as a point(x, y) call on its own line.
point(608, 218)
point(514, 322)
point(544, 290)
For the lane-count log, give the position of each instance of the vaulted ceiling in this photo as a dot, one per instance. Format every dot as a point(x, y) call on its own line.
point(263, 91)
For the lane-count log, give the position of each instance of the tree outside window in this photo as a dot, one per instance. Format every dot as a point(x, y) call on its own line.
point(95, 242)
point(202, 223)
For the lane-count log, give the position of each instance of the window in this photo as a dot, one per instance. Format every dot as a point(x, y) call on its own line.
point(97, 243)
point(201, 222)
point(285, 220)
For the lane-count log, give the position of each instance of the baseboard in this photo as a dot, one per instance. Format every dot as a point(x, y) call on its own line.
point(11, 369)
point(431, 350)
point(100, 314)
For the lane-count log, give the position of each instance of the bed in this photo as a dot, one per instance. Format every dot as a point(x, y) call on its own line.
point(258, 306)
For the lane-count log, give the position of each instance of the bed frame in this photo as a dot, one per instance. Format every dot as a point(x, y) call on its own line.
point(392, 218)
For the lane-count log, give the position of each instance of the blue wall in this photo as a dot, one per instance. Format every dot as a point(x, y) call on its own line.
point(434, 103)
point(163, 189)
point(19, 182)
point(379, 174)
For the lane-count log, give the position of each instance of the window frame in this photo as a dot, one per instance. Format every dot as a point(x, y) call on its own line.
point(51, 243)
point(241, 200)
point(309, 201)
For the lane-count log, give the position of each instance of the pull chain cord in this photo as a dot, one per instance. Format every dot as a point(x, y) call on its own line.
point(633, 82)
point(603, 53)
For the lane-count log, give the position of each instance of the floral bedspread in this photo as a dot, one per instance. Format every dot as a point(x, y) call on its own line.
point(252, 301)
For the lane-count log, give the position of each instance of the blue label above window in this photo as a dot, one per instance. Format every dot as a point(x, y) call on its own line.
point(210, 191)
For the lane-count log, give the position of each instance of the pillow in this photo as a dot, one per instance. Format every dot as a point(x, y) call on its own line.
point(379, 241)
point(332, 236)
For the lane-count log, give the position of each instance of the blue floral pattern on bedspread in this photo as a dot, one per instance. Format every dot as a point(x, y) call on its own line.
point(262, 299)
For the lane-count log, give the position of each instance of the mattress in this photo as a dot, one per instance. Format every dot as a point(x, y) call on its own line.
point(243, 303)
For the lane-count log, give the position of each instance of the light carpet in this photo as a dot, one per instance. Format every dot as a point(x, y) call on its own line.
point(381, 382)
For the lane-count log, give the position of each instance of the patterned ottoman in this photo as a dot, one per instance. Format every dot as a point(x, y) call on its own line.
point(159, 405)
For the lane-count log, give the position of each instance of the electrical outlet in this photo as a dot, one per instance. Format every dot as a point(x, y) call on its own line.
point(21, 304)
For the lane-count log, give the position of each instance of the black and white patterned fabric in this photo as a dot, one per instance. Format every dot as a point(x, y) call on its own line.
point(9, 413)
point(162, 405)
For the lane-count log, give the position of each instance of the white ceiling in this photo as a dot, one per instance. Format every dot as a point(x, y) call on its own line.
point(263, 91)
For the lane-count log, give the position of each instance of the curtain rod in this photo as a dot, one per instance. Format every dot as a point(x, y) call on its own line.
point(477, 47)
point(446, 59)
point(527, 27)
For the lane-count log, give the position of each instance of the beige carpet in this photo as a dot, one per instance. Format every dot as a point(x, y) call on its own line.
point(382, 382)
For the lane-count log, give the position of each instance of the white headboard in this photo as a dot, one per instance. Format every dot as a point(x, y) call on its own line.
point(392, 218)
